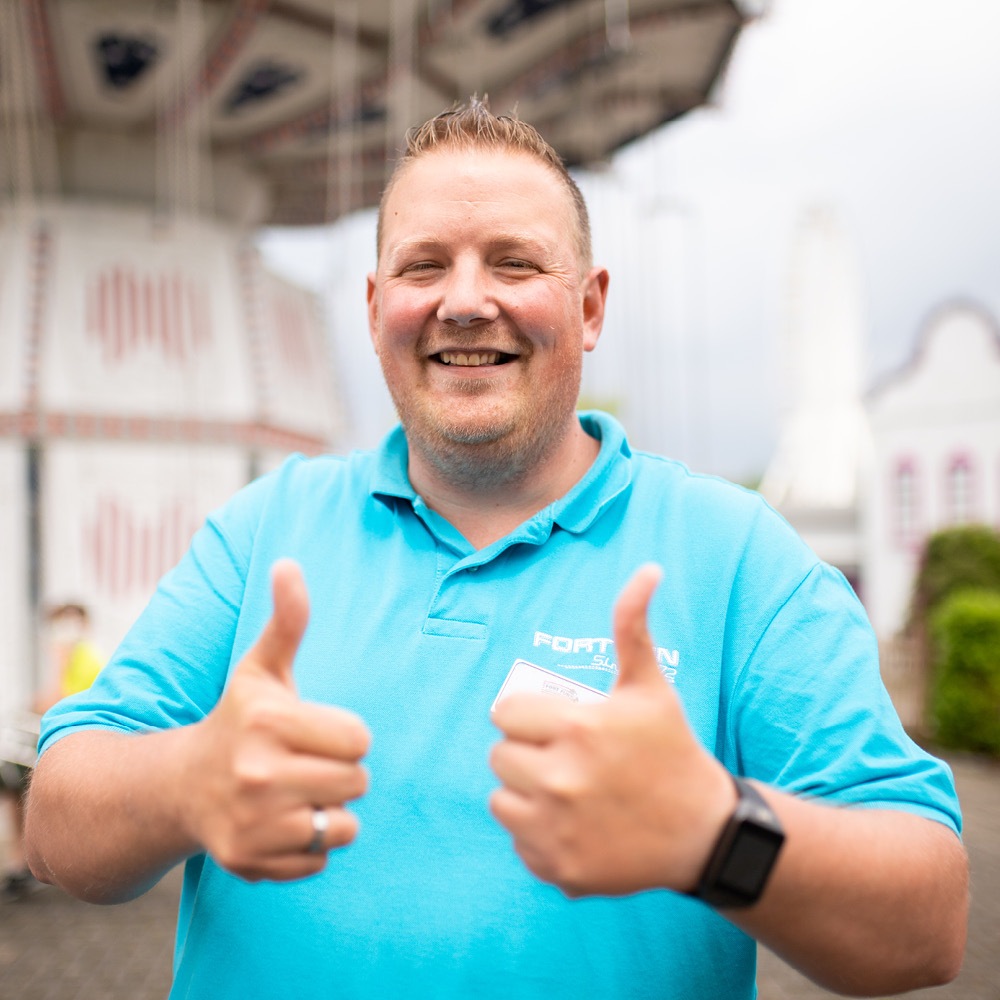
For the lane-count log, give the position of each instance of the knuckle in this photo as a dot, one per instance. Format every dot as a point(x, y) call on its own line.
point(568, 875)
point(227, 855)
point(582, 727)
point(265, 715)
point(542, 864)
point(252, 771)
point(564, 785)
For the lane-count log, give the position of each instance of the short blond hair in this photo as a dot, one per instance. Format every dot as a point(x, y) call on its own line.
point(471, 125)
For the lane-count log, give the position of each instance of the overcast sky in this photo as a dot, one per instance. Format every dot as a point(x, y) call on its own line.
point(886, 111)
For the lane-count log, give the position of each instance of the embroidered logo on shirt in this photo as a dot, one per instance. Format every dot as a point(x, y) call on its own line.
point(601, 653)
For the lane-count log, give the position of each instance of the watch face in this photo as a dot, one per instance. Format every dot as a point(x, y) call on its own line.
point(749, 862)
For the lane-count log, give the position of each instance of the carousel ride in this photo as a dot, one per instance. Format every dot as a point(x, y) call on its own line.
point(149, 364)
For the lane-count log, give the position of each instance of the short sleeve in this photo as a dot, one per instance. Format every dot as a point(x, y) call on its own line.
point(172, 665)
point(811, 715)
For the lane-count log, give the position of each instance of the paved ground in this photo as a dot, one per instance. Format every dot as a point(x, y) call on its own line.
point(54, 947)
point(979, 791)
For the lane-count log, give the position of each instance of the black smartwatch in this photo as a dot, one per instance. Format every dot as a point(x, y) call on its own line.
point(742, 859)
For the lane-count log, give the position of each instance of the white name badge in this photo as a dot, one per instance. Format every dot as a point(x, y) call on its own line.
point(529, 678)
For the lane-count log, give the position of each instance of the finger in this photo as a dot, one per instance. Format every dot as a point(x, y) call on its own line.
point(291, 857)
point(339, 828)
point(512, 810)
point(321, 782)
point(519, 816)
point(636, 656)
point(533, 718)
point(278, 643)
point(326, 731)
point(291, 838)
point(517, 765)
point(284, 868)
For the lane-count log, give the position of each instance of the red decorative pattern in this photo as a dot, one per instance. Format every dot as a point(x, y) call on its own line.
point(45, 60)
point(127, 312)
point(103, 427)
point(127, 553)
point(250, 297)
point(292, 328)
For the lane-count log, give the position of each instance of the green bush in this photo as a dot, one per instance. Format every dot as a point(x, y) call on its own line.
point(955, 559)
point(965, 684)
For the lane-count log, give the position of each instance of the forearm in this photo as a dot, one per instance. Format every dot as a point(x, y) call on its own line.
point(863, 901)
point(105, 817)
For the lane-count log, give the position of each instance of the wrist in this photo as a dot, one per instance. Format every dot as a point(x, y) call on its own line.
point(744, 853)
point(714, 797)
point(191, 751)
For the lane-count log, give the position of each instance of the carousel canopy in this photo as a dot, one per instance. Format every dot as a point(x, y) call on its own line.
point(286, 112)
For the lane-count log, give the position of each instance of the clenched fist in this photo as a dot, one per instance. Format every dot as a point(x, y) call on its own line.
point(273, 773)
point(616, 797)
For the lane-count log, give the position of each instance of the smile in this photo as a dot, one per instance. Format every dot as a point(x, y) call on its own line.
point(473, 359)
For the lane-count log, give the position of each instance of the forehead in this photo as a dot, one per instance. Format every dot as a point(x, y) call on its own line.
point(445, 186)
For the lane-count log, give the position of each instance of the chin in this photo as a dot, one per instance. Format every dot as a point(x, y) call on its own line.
point(475, 432)
point(445, 426)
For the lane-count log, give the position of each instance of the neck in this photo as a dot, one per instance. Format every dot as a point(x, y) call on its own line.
point(489, 506)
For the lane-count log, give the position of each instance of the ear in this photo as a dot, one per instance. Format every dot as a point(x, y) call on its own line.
point(372, 297)
point(595, 295)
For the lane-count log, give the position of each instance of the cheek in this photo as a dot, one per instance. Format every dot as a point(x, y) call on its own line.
point(549, 320)
point(401, 319)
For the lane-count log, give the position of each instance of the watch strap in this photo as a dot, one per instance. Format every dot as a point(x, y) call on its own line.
point(745, 853)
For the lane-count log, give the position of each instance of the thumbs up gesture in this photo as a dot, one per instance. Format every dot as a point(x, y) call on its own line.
point(616, 797)
point(272, 773)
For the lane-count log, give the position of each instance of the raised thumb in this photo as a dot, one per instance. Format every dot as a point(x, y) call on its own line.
point(278, 643)
point(636, 656)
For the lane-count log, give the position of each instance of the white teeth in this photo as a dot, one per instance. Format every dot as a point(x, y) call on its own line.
point(470, 360)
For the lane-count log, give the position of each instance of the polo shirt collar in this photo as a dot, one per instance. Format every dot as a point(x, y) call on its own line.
point(608, 477)
point(390, 476)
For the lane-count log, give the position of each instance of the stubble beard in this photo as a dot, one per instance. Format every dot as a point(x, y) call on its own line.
point(485, 452)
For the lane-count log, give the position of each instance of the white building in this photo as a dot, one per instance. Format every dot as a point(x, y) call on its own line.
point(865, 479)
point(935, 428)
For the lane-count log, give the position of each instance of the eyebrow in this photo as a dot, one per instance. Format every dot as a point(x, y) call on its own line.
point(509, 240)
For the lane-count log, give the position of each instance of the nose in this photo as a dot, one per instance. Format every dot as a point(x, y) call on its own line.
point(468, 295)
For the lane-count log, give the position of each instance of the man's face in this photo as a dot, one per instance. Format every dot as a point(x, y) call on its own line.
point(480, 311)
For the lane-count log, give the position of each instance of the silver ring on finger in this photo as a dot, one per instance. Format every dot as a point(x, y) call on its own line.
point(320, 824)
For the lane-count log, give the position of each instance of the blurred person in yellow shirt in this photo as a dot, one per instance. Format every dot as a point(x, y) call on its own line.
point(75, 659)
point(75, 663)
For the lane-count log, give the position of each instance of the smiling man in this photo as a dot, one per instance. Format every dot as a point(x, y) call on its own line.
point(558, 799)
point(480, 311)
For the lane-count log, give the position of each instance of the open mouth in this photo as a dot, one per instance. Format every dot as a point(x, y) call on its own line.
point(474, 359)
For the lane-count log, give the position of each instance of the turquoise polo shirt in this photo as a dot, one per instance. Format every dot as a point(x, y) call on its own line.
point(416, 631)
